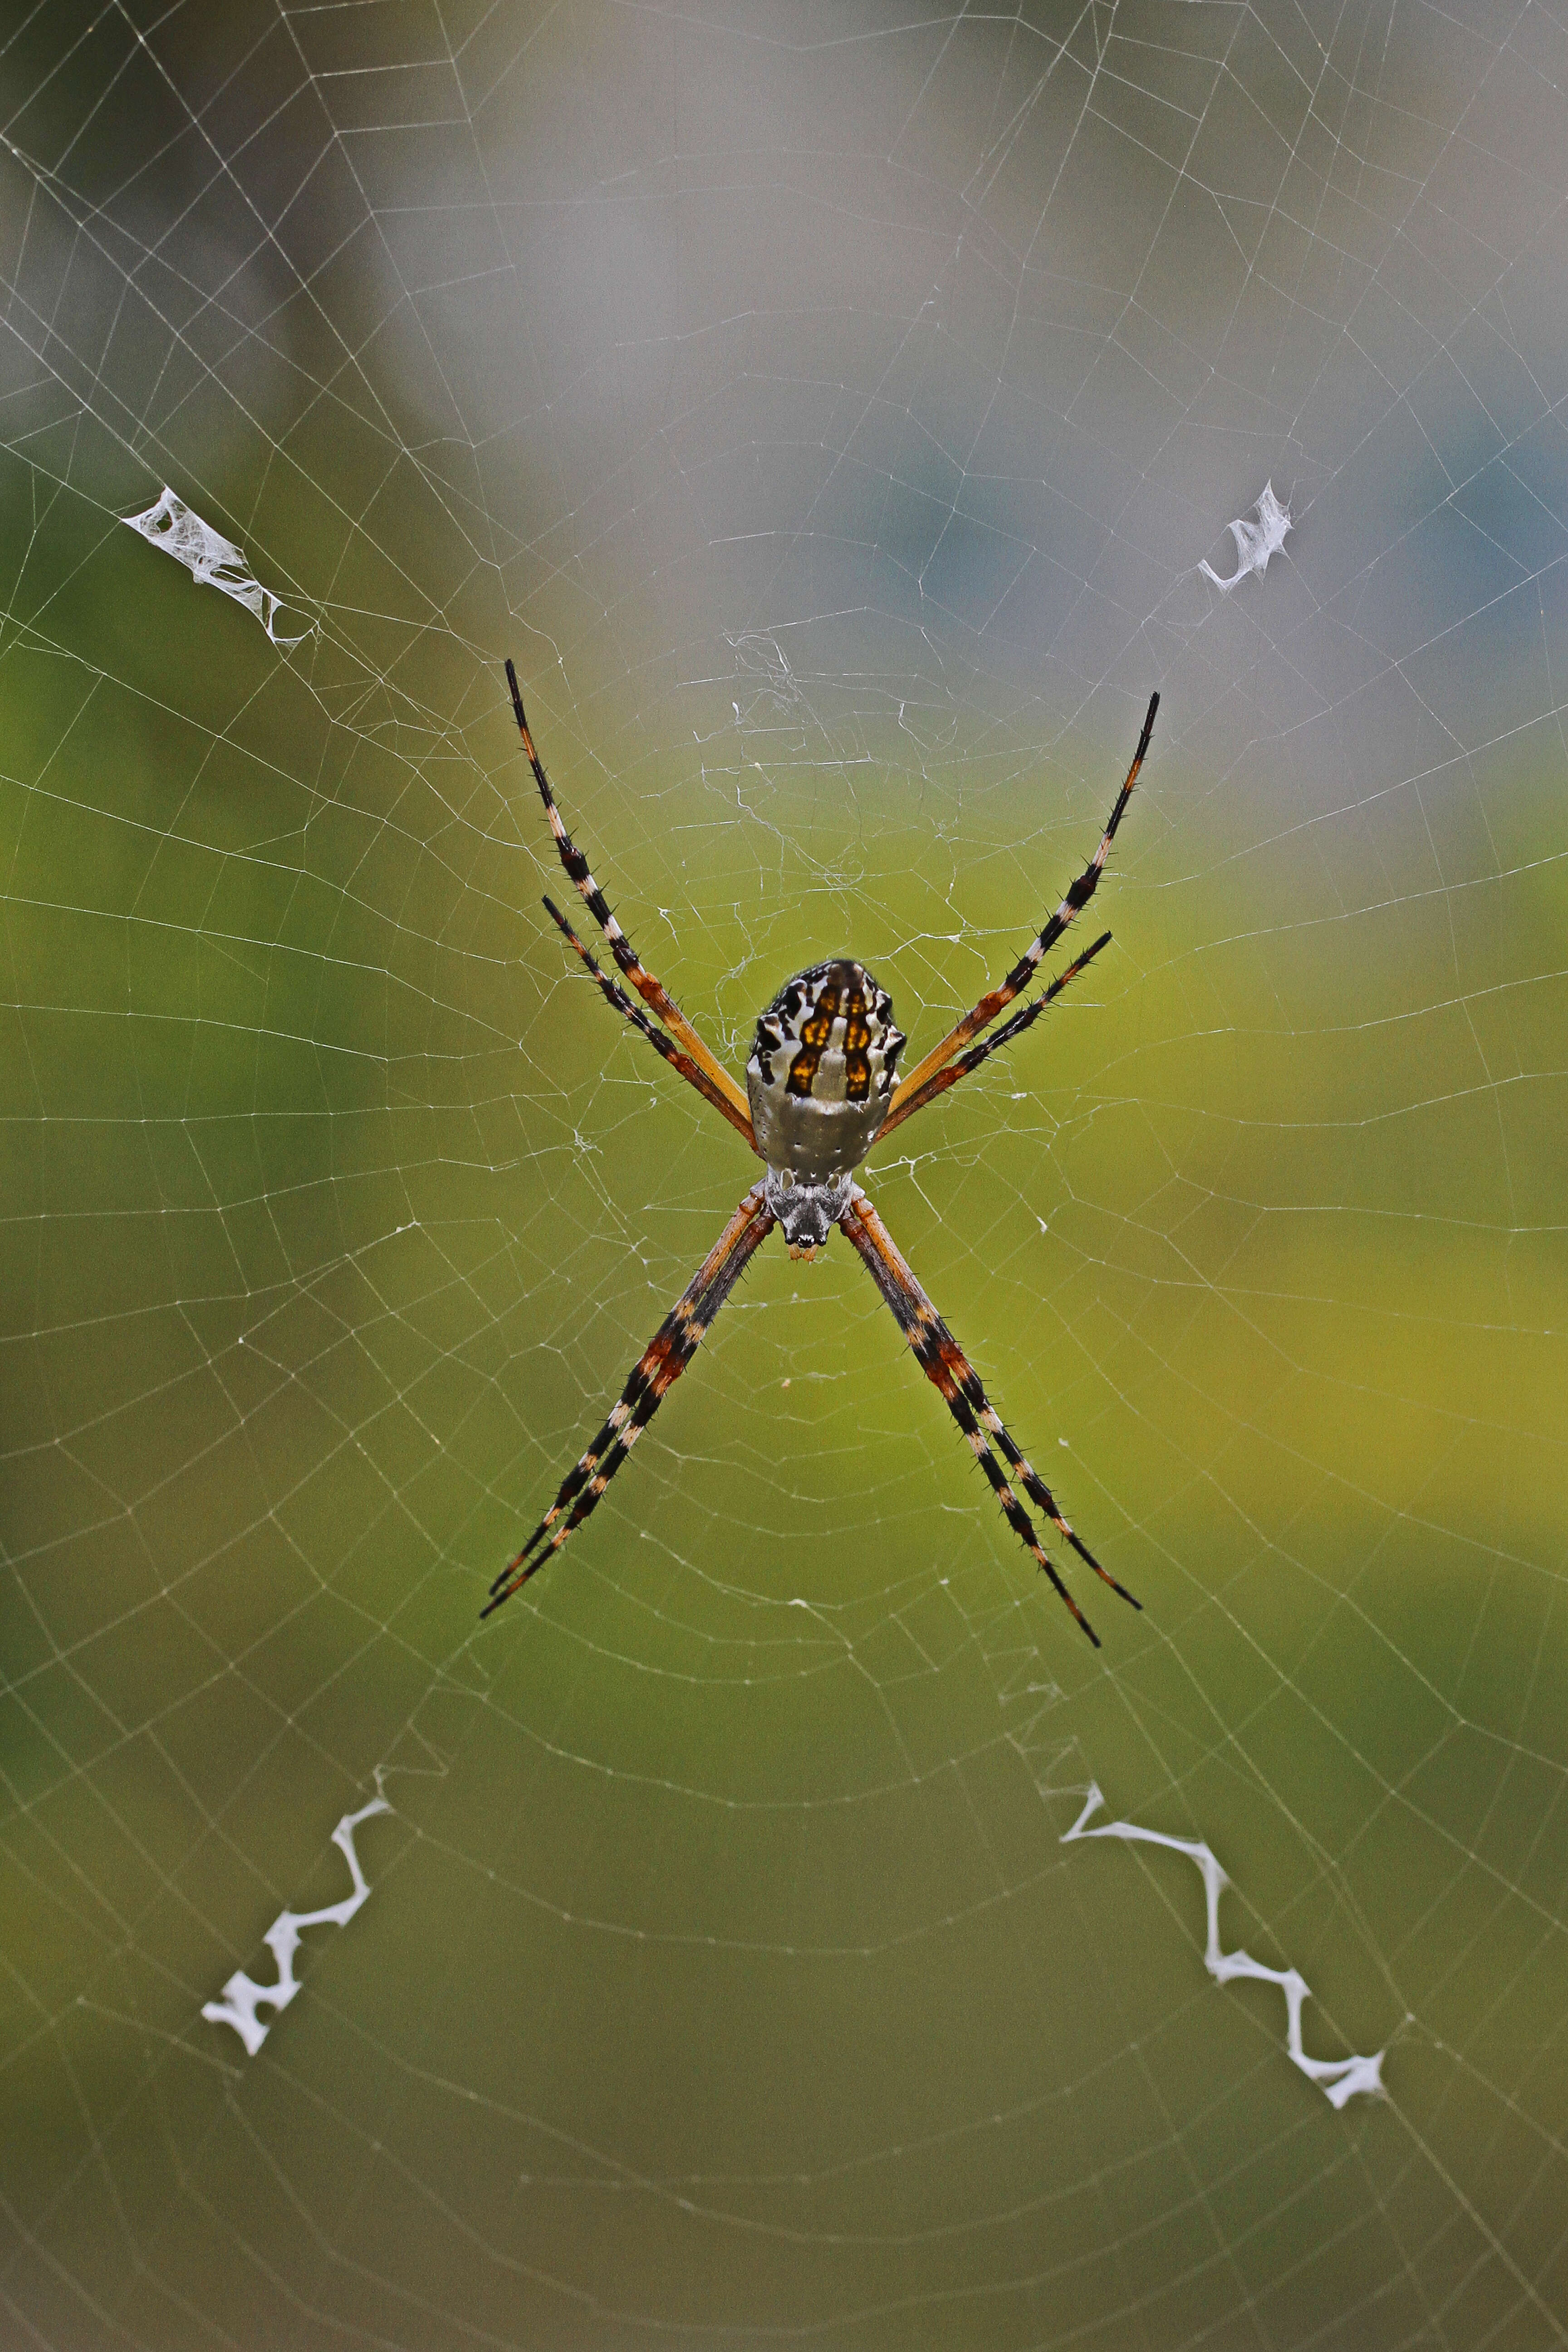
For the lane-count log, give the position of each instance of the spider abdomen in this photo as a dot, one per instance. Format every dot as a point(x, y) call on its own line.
point(821, 1074)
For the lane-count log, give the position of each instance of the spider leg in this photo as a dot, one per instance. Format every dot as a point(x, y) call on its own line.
point(652, 991)
point(1024, 970)
point(940, 1080)
point(671, 1052)
point(652, 1377)
point(948, 1369)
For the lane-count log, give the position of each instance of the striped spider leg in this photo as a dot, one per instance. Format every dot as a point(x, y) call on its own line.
point(1023, 971)
point(652, 1377)
point(679, 1337)
point(908, 1099)
point(949, 1370)
point(692, 1072)
point(652, 991)
point(935, 1349)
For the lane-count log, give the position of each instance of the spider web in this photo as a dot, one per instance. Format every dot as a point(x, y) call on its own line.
point(845, 417)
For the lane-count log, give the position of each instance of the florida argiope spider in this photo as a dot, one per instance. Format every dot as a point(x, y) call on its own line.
point(819, 1092)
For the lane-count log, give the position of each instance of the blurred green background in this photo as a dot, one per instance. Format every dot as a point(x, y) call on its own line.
point(830, 411)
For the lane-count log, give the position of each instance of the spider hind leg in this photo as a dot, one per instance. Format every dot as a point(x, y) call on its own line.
point(948, 1369)
point(652, 1377)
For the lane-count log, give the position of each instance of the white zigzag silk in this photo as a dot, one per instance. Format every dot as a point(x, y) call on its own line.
point(1256, 540)
point(1339, 2079)
point(212, 560)
point(242, 1996)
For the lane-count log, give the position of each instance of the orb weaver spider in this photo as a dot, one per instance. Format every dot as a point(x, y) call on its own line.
point(820, 1091)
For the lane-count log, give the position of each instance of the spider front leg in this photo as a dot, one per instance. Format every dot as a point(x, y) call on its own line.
point(907, 1102)
point(652, 1377)
point(715, 1080)
point(945, 1365)
point(663, 1045)
point(1024, 970)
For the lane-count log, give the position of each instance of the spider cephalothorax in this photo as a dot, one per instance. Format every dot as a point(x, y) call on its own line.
point(819, 1091)
point(820, 1083)
point(807, 1212)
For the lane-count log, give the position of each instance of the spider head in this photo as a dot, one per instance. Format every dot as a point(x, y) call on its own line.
point(807, 1212)
point(821, 1074)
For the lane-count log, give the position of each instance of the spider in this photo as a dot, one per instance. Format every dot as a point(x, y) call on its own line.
point(820, 1091)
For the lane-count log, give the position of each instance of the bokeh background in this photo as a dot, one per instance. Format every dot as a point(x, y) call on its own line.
point(831, 407)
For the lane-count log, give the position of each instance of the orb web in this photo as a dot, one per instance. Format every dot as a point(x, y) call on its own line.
point(846, 422)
